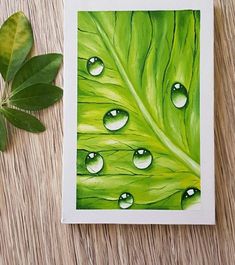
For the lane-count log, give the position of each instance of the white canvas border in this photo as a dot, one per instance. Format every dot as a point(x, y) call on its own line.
point(206, 215)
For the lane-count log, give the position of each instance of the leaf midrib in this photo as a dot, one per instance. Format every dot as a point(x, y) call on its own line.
point(193, 165)
point(13, 46)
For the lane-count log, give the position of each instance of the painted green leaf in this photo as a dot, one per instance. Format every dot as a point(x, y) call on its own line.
point(16, 40)
point(39, 69)
point(138, 109)
point(36, 97)
point(3, 134)
point(22, 120)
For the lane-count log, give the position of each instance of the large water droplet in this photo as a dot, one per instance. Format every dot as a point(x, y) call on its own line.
point(142, 158)
point(126, 200)
point(94, 163)
point(179, 95)
point(115, 119)
point(95, 66)
point(191, 198)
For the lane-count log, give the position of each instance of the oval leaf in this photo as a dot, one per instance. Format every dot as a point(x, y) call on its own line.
point(16, 40)
point(39, 69)
point(3, 134)
point(36, 97)
point(23, 120)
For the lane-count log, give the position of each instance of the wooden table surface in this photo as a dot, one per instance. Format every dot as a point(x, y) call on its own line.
point(30, 177)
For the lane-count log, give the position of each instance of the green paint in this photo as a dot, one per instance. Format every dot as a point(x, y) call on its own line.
point(144, 96)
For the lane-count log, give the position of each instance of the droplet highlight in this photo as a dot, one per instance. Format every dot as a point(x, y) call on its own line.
point(191, 199)
point(126, 200)
point(95, 66)
point(94, 163)
point(115, 119)
point(142, 158)
point(179, 95)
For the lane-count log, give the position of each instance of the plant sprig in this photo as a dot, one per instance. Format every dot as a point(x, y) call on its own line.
point(28, 82)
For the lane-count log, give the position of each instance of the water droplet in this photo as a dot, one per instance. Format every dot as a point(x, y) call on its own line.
point(179, 95)
point(142, 158)
point(115, 119)
point(191, 198)
point(95, 66)
point(126, 200)
point(94, 163)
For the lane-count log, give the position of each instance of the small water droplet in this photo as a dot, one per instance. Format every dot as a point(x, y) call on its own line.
point(126, 200)
point(94, 162)
point(142, 158)
point(190, 198)
point(179, 95)
point(115, 119)
point(95, 66)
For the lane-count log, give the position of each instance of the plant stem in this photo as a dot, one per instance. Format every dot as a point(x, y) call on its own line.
point(5, 94)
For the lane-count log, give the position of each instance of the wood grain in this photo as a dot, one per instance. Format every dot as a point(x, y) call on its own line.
point(30, 177)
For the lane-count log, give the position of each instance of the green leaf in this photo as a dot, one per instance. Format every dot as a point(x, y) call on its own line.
point(23, 120)
point(145, 64)
point(3, 134)
point(16, 40)
point(36, 97)
point(150, 192)
point(39, 69)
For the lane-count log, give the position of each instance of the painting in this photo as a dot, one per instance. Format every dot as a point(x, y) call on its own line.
point(138, 110)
